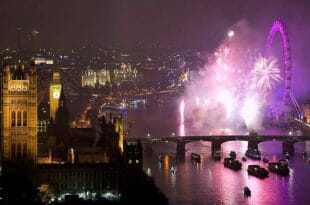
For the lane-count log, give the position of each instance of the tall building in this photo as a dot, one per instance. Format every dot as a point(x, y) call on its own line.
point(54, 92)
point(20, 113)
point(1, 119)
point(89, 78)
point(58, 131)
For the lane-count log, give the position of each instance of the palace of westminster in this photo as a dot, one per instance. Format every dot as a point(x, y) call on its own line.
point(66, 161)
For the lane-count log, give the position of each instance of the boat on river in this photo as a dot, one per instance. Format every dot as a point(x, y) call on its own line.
point(280, 168)
point(232, 154)
point(247, 192)
point(257, 171)
point(217, 156)
point(232, 163)
point(253, 154)
point(196, 157)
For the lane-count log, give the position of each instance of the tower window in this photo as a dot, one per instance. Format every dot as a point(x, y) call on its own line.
point(24, 151)
point(19, 152)
point(13, 118)
point(24, 118)
point(19, 118)
point(13, 151)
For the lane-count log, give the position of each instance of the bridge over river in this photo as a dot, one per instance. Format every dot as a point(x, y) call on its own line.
point(216, 141)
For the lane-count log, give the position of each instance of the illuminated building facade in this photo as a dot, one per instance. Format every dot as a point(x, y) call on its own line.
point(20, 114)
point(38, 61)
point(114, 116)
point(54, 94)
point(125, 73)
point(43, 117)
point(94, 178)
point(103, 77)
point(89, 78)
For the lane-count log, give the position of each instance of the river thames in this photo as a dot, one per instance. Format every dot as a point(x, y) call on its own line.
point(210, 182)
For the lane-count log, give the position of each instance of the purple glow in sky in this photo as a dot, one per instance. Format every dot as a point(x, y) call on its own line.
point(233, 89)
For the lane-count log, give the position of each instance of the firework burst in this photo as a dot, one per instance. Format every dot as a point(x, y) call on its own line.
point(184, 77)
point(266, 74)
point(221, 55)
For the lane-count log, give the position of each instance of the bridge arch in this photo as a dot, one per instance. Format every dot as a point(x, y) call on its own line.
point(276, 146)
point(231, 145)
point(302, 146)
point(203, 146)
point(158, 147)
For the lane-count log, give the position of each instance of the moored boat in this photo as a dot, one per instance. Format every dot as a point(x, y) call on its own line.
point(257, 171)
point(172, 170)
point(280, 168)
point(232, 154)
point(160, 159)
point(232, 163)
point(247, 191)
point(196, 157)
point(287, 155)
point(304, 154)
point(217, 155)
point(253, 154)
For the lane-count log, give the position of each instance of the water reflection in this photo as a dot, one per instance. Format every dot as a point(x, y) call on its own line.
point(182, 130)
point(210, 182)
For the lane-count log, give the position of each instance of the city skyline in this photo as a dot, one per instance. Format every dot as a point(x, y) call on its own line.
point(130, 23)
point(154, 102)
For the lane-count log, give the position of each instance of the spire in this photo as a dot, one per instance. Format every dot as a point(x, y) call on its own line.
point(19, 73)
point(18, 43)
point(62, 115)
point(62, 99)
point(62, 111)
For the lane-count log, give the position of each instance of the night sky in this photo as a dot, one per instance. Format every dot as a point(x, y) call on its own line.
point(127, 23)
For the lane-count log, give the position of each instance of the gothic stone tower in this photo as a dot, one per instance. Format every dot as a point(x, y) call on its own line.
point(20, 114)
point(55, 91)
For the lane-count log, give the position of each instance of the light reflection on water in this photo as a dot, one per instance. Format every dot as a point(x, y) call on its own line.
point(210, 182)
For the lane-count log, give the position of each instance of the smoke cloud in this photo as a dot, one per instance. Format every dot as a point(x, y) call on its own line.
point(224, 94)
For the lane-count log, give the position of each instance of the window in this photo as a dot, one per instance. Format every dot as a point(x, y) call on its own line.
point(13, 118)
point(24, 118)
point(24, 151)
point(13, 151)
point(19, 118)
point(19, 152)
